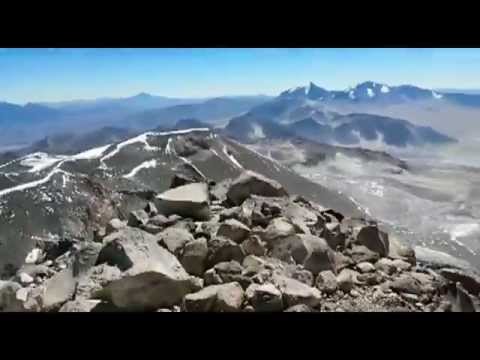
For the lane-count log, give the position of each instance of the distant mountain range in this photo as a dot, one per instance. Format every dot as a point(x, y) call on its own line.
point(378, 93)
point(32, 122)
point(244, 114)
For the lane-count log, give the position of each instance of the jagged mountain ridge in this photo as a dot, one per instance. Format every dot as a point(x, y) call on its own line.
point(46, 196)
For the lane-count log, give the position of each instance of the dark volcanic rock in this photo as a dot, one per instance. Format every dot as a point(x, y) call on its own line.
point(194, 256)
point(234, 230)
point(374, 239)
point(264, 298)
point(221, 249)
point(218, 298)
point(249, 183)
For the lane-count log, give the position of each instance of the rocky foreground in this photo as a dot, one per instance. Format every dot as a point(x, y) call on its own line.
point(237, 246)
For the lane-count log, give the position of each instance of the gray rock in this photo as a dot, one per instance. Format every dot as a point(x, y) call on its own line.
point(365, 267)
point(151, 209)
point(370, 279)
point(218, 298)
point(85, 257)
point(114, 225)
point(309, 250)
point(342, 261)
point(253, 245)
point(194, 256)
point(35, 256)
point(294, 292)
point(346, 280)
point(180, 180)
point(401, 250)
point(95, 280)
point(249, 183)
point(462, 301)
point(221, 249)
point(190, 200)
point(264, 298)
point(234, 230)
point(303, 276)
point(230, 213)
point(277, 229)
point(174, 239)
point(326, 282)
point(58, 290)
point(8, 298)
point(405, 283)
point(401, 265)
point(299, 308)
point(386, 265)
point(137, 218)
point(211, 277)
point(152, 277)
point(151, 228)
point(246, 213)
point(360, 253)
point(333, 235)
point(161, 221)
point(469, 280)
point(230, 271)
point(80, 305)
point(34, 270)
point(374, 239)
point(25, 279)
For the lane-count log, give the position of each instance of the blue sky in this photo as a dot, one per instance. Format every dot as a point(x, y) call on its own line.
point(65, 74)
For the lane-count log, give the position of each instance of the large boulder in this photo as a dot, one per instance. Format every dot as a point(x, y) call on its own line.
point(333, 235)
point(360, 253)
point(374, 239)
point(221, 249)
point(190, 200)
point(85, 257)
point(251, 183)
point(194, 256)
point(137, 218)
point(174, 239)
point(58, 290)
point(469, 280)
point(234, 230)
point(218, 298)
point(80, 305)
point(277, 229)
point(401, 250)
point(114, 225)
point(309, 250)
point(265, 297)
point(95, 280)
point(253, 245)
point(326, 282)
point(295, 292)
point(152, 276)
point(180, 180)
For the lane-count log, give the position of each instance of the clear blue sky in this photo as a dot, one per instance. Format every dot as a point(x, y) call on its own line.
point(65, 74)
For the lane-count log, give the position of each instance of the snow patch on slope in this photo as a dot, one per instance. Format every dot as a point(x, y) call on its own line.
point(232, 158)
point(145, 165)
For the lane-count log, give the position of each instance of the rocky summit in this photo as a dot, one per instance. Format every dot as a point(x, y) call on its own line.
point(257, 249)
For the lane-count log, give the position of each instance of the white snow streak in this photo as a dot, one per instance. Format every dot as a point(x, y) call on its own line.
point(385, 89)
point(193, 166)
point(232, 158)
point(370, 93)
point(143, 139)
point(436, 95)
point(40, 161)
point(145, 165)
point(94, 153)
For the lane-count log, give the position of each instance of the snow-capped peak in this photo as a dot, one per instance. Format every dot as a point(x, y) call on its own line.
point(384, 89)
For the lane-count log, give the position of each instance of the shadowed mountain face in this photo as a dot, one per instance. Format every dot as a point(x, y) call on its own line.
point(22, 125)
point(45, 198)
point(354, 129)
